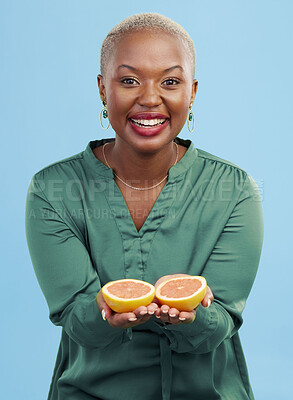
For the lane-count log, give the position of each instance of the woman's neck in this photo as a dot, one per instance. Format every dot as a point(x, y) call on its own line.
point(144, 168)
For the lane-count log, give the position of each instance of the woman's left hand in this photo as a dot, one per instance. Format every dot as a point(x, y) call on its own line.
point(174, 316)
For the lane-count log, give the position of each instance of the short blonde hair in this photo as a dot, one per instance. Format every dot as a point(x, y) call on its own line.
point(144, 21)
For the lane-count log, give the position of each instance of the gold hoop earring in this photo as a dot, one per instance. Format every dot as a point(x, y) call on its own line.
point(104, 114)
point(190, 119)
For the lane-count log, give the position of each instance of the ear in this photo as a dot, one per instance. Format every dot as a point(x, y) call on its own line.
point(194, 90)
point(102, 89)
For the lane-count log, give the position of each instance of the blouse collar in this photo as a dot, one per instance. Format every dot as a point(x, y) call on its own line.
point(174, 172)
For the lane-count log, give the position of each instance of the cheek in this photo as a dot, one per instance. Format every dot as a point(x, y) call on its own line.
point(119, 103)
point(178, 105)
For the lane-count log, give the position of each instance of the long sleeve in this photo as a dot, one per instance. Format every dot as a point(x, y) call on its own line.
point(66, 275)
point(230, 272)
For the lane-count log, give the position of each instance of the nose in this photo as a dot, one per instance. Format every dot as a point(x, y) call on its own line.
point(149, 95)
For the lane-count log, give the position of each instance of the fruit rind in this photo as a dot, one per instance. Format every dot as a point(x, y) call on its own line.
point(121, 305)
point(187, 303)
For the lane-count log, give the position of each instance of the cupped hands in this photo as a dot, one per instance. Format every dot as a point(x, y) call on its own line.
point(142, 314)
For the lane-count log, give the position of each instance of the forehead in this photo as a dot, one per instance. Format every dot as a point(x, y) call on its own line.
point(150, 50)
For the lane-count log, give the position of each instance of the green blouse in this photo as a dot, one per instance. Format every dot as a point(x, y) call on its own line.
point(206, 221)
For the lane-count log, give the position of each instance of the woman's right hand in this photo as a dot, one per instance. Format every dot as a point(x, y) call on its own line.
point(125, 320)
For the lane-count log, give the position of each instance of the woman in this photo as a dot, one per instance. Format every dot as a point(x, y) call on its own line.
point(145, 205)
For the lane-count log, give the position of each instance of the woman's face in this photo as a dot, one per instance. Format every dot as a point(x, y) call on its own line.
point(148, 87)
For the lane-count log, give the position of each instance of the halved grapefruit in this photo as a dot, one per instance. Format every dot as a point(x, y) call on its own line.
point(125, 295)
point(184, 292)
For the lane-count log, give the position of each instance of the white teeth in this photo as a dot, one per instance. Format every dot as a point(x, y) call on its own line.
point(148, 122)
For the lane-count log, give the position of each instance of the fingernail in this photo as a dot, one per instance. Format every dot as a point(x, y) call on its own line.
point(151, 312)
point(157, 316)
point(182, 318)
point(103, 315)
point(209, 302)
point(164, 311)
point(132, 319)
point(143, 312)
point(172, 315)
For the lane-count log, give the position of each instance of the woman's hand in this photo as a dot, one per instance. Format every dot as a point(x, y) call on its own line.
point(174, 316)
point(125, 320)
point(143, 314)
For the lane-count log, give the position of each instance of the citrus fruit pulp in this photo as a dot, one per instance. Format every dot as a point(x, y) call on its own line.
point(125, 295)
point(183, 293)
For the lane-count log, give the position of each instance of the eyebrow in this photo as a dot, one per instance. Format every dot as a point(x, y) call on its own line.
point(134, 69)
point(174, 67)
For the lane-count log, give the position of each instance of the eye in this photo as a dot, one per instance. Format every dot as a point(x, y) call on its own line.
point(171, 82)
point(129, 81)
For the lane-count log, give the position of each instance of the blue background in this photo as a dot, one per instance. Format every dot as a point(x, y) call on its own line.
point(50, 110)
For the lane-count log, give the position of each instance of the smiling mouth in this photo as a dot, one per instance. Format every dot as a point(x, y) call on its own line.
point(148, 123)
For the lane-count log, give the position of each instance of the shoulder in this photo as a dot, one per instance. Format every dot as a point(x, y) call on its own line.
point(220, 161)
point(59, 176)
point(212, 173)
point(221, 170)
point(71, 173)
point(227, 175)
point(195, 154)
point(61, 165)
point(78, 166)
